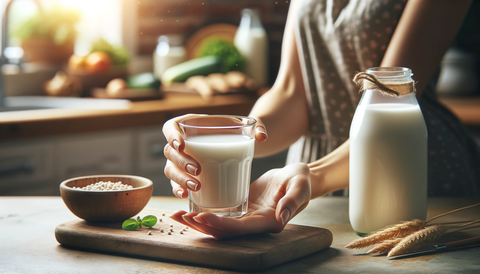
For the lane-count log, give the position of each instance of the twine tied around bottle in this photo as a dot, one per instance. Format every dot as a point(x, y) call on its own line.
point(368, 81)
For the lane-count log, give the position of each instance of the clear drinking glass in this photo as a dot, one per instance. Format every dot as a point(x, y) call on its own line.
point(224, 146)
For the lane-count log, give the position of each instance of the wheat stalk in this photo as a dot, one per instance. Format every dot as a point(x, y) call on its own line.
point(397, 231)
point(417, 240)
point(385, 246)
point(452, 211)
point(409, 236)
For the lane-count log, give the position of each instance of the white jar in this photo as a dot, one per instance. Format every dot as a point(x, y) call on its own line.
point(251, 42)
point(169, 52)
point(388, 156)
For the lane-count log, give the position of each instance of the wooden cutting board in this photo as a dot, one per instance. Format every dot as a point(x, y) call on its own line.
point(246, 253)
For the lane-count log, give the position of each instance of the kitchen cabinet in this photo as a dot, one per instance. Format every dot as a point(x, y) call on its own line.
point(95, 153)
point(150, 163)
point(26, 167)
point(38, 166)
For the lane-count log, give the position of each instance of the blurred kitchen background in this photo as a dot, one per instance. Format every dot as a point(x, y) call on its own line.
point(73, 49)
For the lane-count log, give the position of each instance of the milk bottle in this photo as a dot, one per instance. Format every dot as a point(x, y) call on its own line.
point(251, 41)
point(388, 153)
point(169, 52)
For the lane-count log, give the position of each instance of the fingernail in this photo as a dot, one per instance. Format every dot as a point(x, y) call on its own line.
point(262, 131)
point(176, 144)
point(192, 185)
point(179, 193)
point(199, 220)
point(192, 169)
point(285, 215)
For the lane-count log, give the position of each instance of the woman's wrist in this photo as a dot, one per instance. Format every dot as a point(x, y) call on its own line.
point(331, 172)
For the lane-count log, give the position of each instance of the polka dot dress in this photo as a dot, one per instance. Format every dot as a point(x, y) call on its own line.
point(337, 39)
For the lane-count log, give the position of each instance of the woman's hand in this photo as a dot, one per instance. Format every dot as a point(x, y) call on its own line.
point(275, 198)
point(181, 168)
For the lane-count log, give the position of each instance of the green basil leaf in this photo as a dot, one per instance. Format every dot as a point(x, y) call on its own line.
point(130, 224)
point(149, 220)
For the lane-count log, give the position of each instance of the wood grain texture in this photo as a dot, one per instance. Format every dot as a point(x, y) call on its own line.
point(247, 253)
point(17, 125)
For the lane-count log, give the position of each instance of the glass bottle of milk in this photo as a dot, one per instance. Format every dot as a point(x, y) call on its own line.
point(169, 52)
point(251, 41)
point(388, 154)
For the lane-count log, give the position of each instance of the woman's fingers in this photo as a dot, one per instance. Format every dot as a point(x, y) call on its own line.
point(198, 224)
point(178, 216)
point(173, 135)
point(186, 181)
point(222, 228)
point(178, 190)
point(296, 198)
point(172, 132)
point(260, 131)
point(188, 219)
point(248, 224)
point(182, 160)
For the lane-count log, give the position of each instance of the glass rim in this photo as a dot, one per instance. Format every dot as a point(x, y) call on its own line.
point(252, 122)
point(390, 72)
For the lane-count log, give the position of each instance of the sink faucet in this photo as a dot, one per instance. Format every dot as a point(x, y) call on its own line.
point(4, 44)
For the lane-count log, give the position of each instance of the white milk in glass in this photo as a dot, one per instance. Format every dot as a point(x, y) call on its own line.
point(226, 163)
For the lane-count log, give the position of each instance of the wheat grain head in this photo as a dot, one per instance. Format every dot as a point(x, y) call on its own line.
point(397, 231)
point(384, 246)
point(417, 240)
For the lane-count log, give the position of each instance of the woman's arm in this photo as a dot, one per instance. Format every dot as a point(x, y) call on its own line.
point(331, 172)
point(425, 31)
point(284, 108)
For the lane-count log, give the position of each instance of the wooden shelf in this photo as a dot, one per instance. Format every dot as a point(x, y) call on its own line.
point(37, 123)
point(467, 109)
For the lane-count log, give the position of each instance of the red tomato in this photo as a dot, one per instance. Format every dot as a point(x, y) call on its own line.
point(98, 61)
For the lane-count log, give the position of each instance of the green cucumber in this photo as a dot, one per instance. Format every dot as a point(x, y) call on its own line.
point(143, 81)
point(198, 66)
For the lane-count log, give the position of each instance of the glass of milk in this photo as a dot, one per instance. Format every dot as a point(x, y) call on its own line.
point(388, 156)
point(224, 146)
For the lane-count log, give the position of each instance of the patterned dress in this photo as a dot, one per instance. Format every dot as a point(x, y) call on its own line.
point(337, 39)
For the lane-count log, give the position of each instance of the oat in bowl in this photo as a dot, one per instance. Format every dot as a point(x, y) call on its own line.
point(106, 198)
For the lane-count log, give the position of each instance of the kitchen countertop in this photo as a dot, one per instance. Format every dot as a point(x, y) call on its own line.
point(467, 109)
point(27, 226)
point(36, 123)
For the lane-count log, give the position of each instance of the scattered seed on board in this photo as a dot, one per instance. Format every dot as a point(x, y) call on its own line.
point(169, 233)
point(163, 213)
point(149, 233)
point(181, 231)
point(160, 220)
point(161, 230)
point(171, 225)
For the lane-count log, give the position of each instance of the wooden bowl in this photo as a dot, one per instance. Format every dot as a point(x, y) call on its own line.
point(106, 206)
point(96, 80)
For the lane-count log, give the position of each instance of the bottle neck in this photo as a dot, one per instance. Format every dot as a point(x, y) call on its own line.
point(393, 81)
point(374, 96)
point(250, 19)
